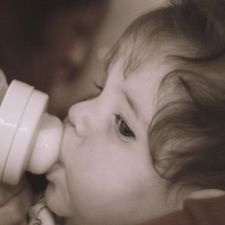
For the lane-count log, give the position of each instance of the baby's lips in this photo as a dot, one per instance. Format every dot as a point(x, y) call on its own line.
point(47, 147)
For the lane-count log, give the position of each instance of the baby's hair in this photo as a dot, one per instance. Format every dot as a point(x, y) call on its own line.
point(187, 133)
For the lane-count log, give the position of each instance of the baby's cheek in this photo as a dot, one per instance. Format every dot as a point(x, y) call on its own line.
point(93, 198)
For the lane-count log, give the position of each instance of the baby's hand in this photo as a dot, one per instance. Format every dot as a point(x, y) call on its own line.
point(40, 215)
point(15, 202)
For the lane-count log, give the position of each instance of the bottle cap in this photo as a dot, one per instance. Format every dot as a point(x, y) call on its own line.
point(21, 117)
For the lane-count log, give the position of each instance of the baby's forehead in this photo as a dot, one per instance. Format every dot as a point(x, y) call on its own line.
point(164, 50)
point(165, 56)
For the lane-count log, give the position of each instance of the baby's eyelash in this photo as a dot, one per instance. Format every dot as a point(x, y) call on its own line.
point(123, 127)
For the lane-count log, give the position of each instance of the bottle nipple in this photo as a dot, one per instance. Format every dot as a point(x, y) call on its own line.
point(30, 138)
point(46, 148)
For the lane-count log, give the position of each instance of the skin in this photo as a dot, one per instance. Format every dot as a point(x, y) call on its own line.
point(104, 174)
point(15, 202)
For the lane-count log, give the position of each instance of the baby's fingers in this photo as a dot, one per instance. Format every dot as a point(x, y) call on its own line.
point(14, 212)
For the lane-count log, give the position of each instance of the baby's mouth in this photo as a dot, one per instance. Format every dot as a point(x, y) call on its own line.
point(55, 167)
point(52, 174)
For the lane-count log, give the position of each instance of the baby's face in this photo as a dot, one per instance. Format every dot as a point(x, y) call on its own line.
point(105, 174)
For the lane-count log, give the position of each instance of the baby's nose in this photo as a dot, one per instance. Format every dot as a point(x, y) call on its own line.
point(82, 116)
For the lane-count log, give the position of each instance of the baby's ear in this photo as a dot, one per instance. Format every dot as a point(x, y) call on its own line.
point(206, 193)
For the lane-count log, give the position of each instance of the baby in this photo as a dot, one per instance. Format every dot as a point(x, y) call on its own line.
point(155, 133)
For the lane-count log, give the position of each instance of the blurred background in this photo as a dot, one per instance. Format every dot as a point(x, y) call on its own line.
point(58, 46)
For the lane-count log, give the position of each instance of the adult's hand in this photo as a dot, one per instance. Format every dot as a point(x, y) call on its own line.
point(3, 85)
point(15, 202)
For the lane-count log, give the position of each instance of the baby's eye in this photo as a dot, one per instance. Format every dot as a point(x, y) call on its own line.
point(123, 128)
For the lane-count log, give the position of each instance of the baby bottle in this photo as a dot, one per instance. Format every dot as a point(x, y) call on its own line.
point(30, 138)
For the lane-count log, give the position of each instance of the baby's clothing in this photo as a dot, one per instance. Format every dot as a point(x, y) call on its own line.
point(209, 211)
